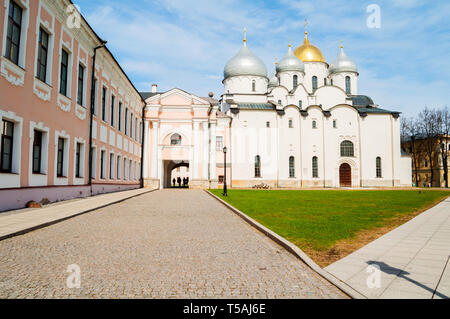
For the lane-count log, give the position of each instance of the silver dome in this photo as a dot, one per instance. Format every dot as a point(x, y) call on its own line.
point(245, 63)
point(290, 63)
point(273, 81)
point(343, 64)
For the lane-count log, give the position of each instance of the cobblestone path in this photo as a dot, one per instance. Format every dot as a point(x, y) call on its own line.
point(165, 244)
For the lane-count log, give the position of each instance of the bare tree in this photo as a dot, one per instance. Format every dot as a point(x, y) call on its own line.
point(443, 127)
point(428, 125)
point(410, 134)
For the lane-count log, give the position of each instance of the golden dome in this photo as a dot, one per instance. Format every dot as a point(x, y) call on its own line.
point(308, 52)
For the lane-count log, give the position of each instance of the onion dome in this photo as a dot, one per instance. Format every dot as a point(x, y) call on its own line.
point(290, 63)
point(245, 63)
point(273, 80)
point(308, 52)
point(343, 64)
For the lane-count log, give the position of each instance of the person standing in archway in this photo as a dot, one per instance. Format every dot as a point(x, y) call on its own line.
point(179, 182)
point(174, 182)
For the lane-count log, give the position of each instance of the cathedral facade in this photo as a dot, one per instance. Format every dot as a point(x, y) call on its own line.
point(304, 126)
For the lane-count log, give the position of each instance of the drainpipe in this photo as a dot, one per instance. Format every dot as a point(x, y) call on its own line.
point(103, 44)
point(142, 144)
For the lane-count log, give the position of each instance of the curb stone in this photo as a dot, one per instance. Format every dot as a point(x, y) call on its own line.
point(294, 250)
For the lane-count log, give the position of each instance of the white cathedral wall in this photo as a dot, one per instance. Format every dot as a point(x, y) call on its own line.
point(318, 69)
point(329, 96)
point(300, 94)
point(280, 93)
point(248, 98)
point(287, 79)
point(339, 81)
point(243, 84)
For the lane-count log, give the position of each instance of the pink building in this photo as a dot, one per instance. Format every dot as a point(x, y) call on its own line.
point(46, 67)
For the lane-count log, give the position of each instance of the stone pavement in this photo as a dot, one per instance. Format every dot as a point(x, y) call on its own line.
point(164, 244)
point(413, 259)
point(23, 220)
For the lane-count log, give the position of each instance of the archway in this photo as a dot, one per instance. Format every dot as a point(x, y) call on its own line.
point(176, 169)
point(345, 175)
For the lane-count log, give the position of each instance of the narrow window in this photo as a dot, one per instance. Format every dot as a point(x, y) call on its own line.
point(347, 149)
point(120, 116)
point(124, 169)
point(113, 101)
point(221, 179)
point(291, 124)
point(314, 124)
point(94, 162)
point(314, 83)
point(253, 86)
point(136, 129)
point(104, 92)
point(64, 72)
point(14, 31)
point(324, 81)
point(378, 163)
point(257, 166)
point(111, 166)
point(37, 152)
point(295, 81)
point(80, 99)
point(300, 104)
point(126, 121)
point(130, 171)
point(102, 164)
point(334, 123)
point(175, 139)
point(118, 167)
point(292, 167)
point(219, 143)
point(60, 158)
point(268, 124)
point(78, 161)
point(6, 146)
point(348, 89)
point(94, 98)
point(42, 55)
point(315, 167)
point(131, 125)
point(279, 102)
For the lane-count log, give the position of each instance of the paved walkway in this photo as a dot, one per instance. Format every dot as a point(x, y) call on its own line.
point(165, 244)
point(413, 259)
point(14, 222)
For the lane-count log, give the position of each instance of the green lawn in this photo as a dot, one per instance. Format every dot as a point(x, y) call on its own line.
point(319, 219)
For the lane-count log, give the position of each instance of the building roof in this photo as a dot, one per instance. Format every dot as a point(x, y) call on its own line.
point(146, 95)
point(362, 100)
point(256, 106)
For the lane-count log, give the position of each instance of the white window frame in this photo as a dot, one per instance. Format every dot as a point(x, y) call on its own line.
point(94, 162)
point(65, 179)
point(12, 180)
point(104, 166)
point(69, 51)
point(85, 78)
point(119, 166)
point(40, 179)
point(79, 180)
point(51, 44)
point(112, 166)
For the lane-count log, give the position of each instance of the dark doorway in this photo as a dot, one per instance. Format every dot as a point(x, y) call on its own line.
point(345, 175)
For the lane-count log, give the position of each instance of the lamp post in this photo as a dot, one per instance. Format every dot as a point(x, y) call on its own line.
point(225, 191)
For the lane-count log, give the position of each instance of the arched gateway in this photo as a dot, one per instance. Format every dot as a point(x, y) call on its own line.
point(183, 131)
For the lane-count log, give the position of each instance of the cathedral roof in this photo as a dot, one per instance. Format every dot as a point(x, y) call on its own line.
point(308, 52)
point(245, 62)
point(343, 64)
point(290, 63)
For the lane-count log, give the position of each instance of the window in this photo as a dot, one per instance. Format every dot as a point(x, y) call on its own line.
point(42, 55)
point(80, 99)
point(120, 116)
point(126, 121)
point(136, 129)
point(113, 101)
point(348, 89)
point(314, 83)
point(130, 170)
point(175, 139)
point(14, 31)
point(314, 124)
point(94, 162)
point(300, 104)
point(37, 152)
point(291, 124)
point(221, 179)
point(257, 166)
point(104, 92)
point(279, 102)
point(292, 167)
point(6, 146)
point(131, 125)
point(378, 163)
point(118, 167)
point(219, 143)
point(268, 124)
point(94, 98)
point(60, 158)
point(64, 73)
point(295, 81)
point(324, 81)
point(111, 166)
point(253, 86)
point(315, 167)
point(426, 163)
point(124, 169)
point(334, 123)
point(347, 149)
point(78, 161)
point(102, 164)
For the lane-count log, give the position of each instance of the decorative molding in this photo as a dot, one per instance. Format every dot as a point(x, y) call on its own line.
point(42, 90)
point(12, 73)
point(80, 112)
point(64, 103)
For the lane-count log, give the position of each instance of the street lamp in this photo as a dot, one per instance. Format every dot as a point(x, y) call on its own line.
point(225, 191)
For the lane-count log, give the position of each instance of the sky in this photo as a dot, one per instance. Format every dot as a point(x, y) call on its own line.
point(404, 64)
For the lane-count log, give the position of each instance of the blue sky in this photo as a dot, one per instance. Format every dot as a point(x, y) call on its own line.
point(404, 65)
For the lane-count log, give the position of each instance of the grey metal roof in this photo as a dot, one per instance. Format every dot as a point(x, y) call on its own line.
point(374, 110)
point(146, 95)
point(256, 106)
point(361, 100)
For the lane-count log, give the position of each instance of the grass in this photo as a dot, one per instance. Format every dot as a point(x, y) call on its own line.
point(329, 224)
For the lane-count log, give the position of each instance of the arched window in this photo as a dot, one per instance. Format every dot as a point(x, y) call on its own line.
point(291, 123)
point(314, 124)
point(348, 88)
point(334, 123)
point(295, 80)
point(257, 166)
point(300, 104)
point(379, 172)
point(315, 167)
point(175, 139)
point(314, 83)
point(254, 86)
point(347, 149)
point(292, 167)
